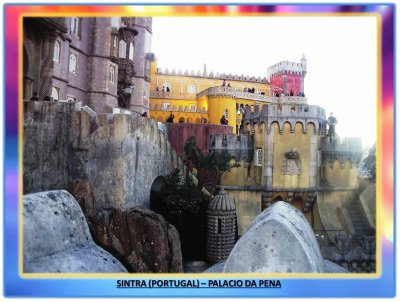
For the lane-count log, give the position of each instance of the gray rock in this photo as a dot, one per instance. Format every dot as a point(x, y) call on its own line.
point(57, 238)
point(279, 240)
point(331, 267)
point(216, 268)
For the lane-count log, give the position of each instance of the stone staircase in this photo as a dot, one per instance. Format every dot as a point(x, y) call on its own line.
point(358, 218)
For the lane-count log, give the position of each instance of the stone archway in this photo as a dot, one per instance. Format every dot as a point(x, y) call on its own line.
point(155, 192)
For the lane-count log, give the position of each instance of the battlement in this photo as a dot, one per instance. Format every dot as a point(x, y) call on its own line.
point(239, 146)
point(342, 149)
point(211, 75)
point(285, 67)
point(286, 113)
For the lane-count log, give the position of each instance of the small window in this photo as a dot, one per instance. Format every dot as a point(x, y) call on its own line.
point(56, 53)
point(72, 63)
point(166, 106)
point(115, 43)
point(219, 226)
point(112, 74)
point(166, 87)
point(191, 89)
point(71, 99)
point(122, 49)
point(259, 157)
point(75, 26)
point(226, 114)
point(193, 107)
point(55, 93)
point(131, 49)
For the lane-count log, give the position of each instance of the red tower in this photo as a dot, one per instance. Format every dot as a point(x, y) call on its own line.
point(286, 77)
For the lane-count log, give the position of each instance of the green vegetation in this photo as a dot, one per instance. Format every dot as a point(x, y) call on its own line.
point(208, 167)
point(367, 168)
point(184, 206)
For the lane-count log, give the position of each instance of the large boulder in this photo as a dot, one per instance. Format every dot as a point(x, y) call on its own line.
point(142, 239)
point(57, 239)
point(279, 240)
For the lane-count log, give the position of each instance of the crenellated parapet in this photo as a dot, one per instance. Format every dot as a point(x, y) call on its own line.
point(211, 75)
point(282, 113)
point(285, 67)
point(240, 147)
point(346, 149)
point(225, 91)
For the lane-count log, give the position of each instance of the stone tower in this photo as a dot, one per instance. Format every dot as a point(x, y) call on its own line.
point(288, 76)
point(221, 235)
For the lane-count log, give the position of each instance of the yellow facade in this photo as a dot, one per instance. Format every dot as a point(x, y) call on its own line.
point(190, 99)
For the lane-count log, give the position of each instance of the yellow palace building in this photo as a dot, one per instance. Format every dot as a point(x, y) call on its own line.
point(204, 97)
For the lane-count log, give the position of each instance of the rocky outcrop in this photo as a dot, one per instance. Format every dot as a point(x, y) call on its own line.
point(143, 240)
point(279, 240)
point(64, 143)
point(56, 237)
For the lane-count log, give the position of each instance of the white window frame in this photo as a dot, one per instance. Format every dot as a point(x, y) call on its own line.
point(259, 157)
point(71, 67)
point(74, 26)
point(165, 85)
point(122, 49)
point(115, 43)
point(57, 51)
point(191, 88)
point(55, 93)
point(131, 50)
point(71, 98)
point(111, 74)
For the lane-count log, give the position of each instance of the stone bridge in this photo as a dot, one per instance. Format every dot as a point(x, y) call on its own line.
point(105, 160)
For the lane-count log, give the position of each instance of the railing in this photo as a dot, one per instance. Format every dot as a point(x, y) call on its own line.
point(229, 91)
point(172, 95)
point(259, 98)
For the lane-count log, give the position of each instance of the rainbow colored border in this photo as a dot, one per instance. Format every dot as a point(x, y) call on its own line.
point(16, 284)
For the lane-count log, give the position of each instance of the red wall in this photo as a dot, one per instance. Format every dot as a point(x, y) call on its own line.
point(293, 82)
point(178, 134)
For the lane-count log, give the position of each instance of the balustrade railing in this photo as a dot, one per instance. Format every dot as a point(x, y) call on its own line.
point(224, 90)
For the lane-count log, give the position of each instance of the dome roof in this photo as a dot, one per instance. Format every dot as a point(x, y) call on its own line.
point(221, 202)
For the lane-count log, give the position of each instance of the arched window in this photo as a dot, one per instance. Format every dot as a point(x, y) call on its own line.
point(122, 49)
point(56, 53)
point(115, 43)
point(75, 26)
point(55, 93)
point(112, 74)
point(131, 49)
point(72, 62)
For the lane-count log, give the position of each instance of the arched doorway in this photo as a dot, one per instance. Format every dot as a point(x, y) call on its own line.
point(156, 191)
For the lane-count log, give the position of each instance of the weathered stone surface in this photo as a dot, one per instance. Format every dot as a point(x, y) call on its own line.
point(279, 240)
point(140, 238)
point(331, 267)
point(107, 151)
point(368, 203)
point(57, 239)
point(216, 268)
point(195, 266)
point(47, 129)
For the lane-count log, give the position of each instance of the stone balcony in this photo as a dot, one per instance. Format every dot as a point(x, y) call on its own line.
point(229, 91)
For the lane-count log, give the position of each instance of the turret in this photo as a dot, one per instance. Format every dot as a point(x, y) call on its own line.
point(304, 64)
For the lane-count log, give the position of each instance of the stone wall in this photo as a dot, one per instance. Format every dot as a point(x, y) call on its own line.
point(116, 157)
point(179, 133)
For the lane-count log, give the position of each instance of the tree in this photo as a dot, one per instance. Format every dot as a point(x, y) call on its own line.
point(210, 166)
point(367, 168)
point(184, 206)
